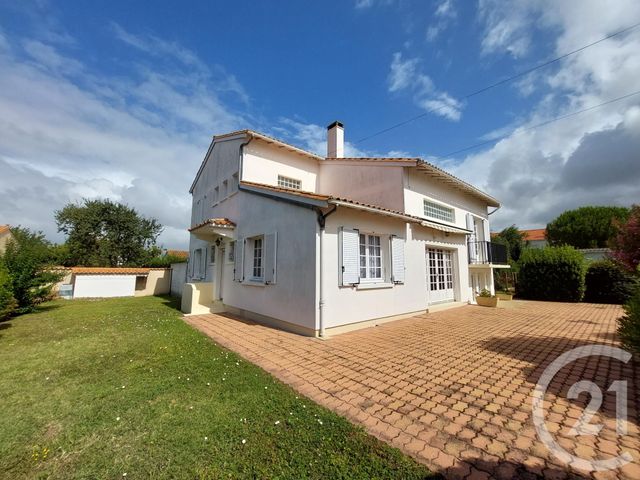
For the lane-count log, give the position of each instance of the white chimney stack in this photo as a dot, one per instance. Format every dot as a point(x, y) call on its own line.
point(335, 140)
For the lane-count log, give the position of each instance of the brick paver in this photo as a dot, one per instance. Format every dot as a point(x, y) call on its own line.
point(453, 388)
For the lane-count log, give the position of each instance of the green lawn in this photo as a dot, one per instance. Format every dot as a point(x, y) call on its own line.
point(123, 388)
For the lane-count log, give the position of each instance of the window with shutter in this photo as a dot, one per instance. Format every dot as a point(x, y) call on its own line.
point(349, 243)
point(238, 265)
point(270, 257)
point(370, 258)
point(397, 259)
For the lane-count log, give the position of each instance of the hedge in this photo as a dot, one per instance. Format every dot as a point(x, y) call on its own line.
point(607, 282)
point(629, 324)
point(8, 304)
point(552, 273)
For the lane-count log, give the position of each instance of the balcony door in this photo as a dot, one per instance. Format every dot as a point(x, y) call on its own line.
point(440, 275)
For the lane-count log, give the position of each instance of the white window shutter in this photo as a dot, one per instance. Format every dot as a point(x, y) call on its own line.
point(397, 259)
point(270, 256)
point(473, 246)
point(349, 256)
point(238, 265)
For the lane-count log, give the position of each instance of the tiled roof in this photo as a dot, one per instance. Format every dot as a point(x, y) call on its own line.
point(534, 234)
point(420, 164)
point(178, 253)
point(374, 159)
point(215, 222)
point(4, 229)
point(109, 271)
point(354, 204)
point(269, 139)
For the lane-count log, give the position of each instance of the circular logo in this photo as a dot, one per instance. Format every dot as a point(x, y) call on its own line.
point(582, 427)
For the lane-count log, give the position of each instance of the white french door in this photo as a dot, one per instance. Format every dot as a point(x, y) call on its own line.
point(440, 275)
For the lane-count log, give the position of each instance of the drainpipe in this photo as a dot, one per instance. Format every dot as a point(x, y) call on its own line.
point(242, 145)
point(321, 223)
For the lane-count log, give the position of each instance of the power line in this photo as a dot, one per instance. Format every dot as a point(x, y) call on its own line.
point(538, 125)
point(501, 82)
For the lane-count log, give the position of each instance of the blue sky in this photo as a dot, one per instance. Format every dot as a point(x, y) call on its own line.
point(120, 99)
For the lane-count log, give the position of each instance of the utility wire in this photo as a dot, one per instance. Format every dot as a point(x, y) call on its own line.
point(501, 82)
point(538, 125)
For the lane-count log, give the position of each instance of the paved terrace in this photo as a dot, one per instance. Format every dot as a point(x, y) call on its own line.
point(453, 388)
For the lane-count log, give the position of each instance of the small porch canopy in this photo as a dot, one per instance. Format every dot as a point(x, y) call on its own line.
point(214, 228)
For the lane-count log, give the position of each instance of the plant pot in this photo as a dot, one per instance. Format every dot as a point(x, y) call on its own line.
point(487, 301)
point(505, 296)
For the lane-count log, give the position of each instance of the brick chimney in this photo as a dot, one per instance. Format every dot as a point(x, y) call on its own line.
point(335, 140)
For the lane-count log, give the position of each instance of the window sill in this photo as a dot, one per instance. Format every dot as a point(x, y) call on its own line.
point(254, 283)
point(373, 286)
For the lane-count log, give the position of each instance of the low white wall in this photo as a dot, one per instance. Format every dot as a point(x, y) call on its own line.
point(197, 298)
point(178, 278)
point(157, 282)
point(102, 286)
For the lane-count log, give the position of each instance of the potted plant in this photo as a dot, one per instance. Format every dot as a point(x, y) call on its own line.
point(485, 299)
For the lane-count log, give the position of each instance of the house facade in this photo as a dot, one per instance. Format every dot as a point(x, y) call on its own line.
point(320, 245)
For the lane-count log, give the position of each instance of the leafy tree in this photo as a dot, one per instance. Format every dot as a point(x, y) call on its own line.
point(8, 302)
point(104, 233)
point(27, 259)
point(586, 227)
point(626, 244)
point(513, 239)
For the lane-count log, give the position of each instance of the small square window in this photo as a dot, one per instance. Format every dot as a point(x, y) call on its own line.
point(287, 182)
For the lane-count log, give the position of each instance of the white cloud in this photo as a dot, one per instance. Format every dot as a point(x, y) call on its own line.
point(68, 132)
point(444, 14)
point(585, 159)
point(507, 27)
point(406, 75)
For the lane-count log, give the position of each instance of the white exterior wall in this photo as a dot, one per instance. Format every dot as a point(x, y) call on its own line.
point(102, 286)
point(346, 305)
point(374, 184)
point(419, 186)
point(262, 163)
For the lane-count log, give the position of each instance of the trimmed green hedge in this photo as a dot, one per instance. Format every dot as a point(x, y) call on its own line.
point(607, 282)
point(552, 273)
point(8, 303)
point(629, 324)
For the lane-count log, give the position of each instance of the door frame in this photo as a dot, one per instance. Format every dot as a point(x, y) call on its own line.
point(454, 274)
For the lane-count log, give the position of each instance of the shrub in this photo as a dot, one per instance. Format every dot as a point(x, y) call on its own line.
point(27, 260)
point(553, 273)
point(8, 302)
point(608, 282)
point(629, 324)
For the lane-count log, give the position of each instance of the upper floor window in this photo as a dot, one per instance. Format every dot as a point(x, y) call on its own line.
point(288, 182)
point(439, 212)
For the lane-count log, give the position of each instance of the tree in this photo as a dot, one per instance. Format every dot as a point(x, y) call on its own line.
point(104, 233)
point(586, 227)
point(513, 239)
point(27, 259)
point(626, 244)
point(8, 302)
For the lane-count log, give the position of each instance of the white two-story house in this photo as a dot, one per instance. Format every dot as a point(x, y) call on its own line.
point(320, 245)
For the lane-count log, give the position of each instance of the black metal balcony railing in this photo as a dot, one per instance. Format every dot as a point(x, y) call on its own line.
point(487, 252)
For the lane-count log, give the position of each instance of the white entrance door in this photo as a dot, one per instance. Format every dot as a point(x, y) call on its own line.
point(440, 275)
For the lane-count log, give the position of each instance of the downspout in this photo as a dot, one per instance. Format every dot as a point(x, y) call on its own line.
point(241, 152)
point(321, 222)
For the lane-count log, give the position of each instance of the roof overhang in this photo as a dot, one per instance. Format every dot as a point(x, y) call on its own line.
point(455, 182)
point(213, 229)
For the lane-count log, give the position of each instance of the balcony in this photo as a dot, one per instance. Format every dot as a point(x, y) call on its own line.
point(487, 253)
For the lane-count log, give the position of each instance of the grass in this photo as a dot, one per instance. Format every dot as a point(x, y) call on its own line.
point(104, 388)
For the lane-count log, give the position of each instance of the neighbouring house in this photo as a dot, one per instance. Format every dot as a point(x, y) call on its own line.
point(104, 282)
point(535, 238)
point(321, 245)
point(5, 237)
point(178, 254)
